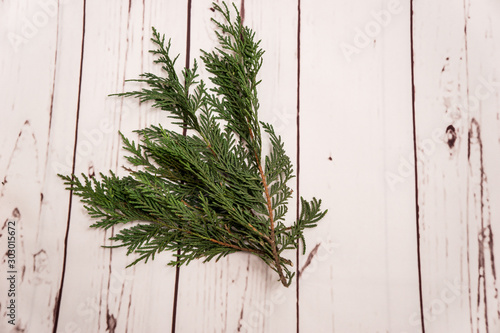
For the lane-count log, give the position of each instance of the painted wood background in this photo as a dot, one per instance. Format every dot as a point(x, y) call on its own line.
point(390, 110)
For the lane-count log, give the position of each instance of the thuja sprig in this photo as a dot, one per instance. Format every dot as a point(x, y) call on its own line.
point(210, 192)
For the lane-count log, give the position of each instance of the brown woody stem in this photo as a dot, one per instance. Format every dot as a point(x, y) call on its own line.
point(272, 238)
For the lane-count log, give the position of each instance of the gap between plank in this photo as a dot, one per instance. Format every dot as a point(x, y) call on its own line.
point(297, 253)
point(184, 131)
point(60, 292)
point(417, 215)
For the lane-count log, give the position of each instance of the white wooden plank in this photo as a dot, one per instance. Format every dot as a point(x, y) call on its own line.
point(440, 81)
point(38, 49)
point(355, 122)
point(99, 293)
point(457, 131)
point(239, 293)
point(483, 42)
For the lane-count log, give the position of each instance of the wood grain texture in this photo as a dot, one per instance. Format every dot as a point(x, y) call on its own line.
point(363, 93)
point(355, 118)
point(457, 134)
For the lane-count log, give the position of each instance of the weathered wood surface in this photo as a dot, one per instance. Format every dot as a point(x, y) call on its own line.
point(456, 52)
point(389, 111)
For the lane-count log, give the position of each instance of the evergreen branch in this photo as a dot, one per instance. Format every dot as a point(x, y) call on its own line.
point(208, 193)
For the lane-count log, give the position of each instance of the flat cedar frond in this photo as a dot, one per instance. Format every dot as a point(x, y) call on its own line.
point(211, 192)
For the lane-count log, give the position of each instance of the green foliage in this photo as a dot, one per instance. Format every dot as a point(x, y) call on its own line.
point(206, 194)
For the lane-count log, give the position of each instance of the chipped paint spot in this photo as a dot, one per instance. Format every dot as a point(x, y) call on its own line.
point(451, 136)
point(40, 261)
point(110, 322)
point(91, 171)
